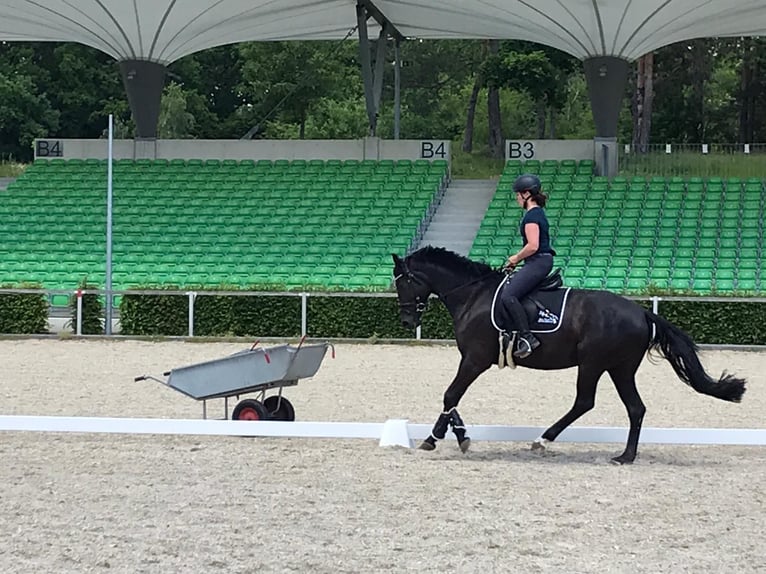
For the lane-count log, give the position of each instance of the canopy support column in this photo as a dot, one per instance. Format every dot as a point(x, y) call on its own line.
point(373, 79)
point(607, 77)
point(144, 82)
point(364, 60)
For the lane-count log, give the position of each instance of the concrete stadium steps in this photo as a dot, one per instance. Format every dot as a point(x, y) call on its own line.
point(459, 215)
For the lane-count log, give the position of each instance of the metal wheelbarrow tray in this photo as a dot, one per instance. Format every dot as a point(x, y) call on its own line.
point(253, 370)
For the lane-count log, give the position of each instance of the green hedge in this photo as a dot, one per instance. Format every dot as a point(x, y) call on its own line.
point(92, 311)
point(718, 323)
point(154, 314)
point(331, 317)
point(378, 317)
point(274, 316)
point(214, 315)
point(23, 313)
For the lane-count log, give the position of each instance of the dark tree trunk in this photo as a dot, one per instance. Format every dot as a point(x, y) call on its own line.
point(642, 103)
point(552, 123)
point(541, 119)
point(700, 74)
point(646, 125)
point(493, 111)
point(469, 120)
point(747, 99)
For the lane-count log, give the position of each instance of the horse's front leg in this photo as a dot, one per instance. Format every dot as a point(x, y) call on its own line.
point(458, 427)
point(437, 433)
point(466, 374)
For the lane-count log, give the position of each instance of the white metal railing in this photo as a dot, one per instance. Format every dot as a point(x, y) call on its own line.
point(304, 296)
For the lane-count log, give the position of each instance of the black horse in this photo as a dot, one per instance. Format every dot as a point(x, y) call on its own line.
point(599, 332)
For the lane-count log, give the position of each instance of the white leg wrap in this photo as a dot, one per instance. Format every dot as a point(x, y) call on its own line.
point(540, 443)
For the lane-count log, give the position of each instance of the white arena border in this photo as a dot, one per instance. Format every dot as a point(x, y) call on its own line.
point(393, 432)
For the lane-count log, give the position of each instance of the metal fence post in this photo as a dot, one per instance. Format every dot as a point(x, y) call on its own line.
point(655, 305)
point(304, 313)
point(417, 332)
point(78, 294)
point(192, 296)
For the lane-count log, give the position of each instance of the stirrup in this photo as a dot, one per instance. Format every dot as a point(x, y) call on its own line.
point(525, 344)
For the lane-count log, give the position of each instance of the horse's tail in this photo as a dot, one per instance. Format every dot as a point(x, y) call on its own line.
point(681, 352)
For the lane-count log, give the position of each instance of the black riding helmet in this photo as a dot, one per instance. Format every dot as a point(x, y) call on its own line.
point(527, 182)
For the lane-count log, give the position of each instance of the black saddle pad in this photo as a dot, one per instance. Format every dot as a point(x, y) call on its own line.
point(545, 309)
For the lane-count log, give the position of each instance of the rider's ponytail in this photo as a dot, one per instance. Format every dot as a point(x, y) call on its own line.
point(540, 198)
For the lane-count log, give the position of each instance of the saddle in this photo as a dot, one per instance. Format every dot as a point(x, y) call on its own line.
point(544, 305)
point(551, 283)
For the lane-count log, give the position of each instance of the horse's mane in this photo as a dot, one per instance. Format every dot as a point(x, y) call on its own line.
point(450, 259)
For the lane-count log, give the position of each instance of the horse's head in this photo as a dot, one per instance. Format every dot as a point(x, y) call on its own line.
point(412, 293)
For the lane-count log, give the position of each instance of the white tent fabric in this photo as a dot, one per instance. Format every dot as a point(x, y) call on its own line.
point(166, 30)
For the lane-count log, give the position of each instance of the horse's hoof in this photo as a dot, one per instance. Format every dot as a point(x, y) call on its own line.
point(427, 446)
point(465, 445)
point(540, 443)
point(622, 459)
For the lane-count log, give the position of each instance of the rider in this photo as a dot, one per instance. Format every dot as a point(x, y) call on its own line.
point(537, 255)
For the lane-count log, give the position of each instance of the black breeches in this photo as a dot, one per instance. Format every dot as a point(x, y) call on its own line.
point(535, 269)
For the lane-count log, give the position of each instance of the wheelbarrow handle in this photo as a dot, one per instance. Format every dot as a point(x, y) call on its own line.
point(146, 377)
point(151, 378)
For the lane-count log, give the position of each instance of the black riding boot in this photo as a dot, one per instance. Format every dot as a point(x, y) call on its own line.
point(526, 342)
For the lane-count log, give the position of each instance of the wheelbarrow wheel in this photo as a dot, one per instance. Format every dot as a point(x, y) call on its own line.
point(279, 410)
point(249, 410)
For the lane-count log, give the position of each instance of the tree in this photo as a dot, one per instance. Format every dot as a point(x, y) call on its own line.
point(540, 72)
point(747, 57)
point(642, 102)
point(25, 114)
point(471, 113)
point(682, 71)
point(434, 76)
point(493, 105)
point(175, 121)
point(84, 86)
point(710, 90)
point(211, 84)
point(285, 79)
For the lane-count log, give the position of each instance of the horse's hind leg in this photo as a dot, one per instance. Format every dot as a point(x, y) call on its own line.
point(624, 378)
point(587, 381)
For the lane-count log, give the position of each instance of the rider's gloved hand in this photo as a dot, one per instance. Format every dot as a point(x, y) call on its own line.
point(511, 263)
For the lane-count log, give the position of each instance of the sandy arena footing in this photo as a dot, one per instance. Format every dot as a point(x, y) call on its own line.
point(124, 503)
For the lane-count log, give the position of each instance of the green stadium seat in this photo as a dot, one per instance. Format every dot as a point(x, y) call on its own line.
point(676, 231)
point(214, 214)
point(615, 284)
point(746, 285)
point(703, 286)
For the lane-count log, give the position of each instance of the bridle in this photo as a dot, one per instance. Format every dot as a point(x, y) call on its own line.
point(418, 304)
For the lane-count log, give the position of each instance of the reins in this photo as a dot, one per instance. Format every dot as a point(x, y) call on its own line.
point(420, 305)
point(472, 282)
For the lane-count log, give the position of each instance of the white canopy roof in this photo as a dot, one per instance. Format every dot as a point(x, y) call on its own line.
point(166, 30)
